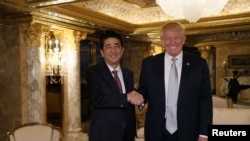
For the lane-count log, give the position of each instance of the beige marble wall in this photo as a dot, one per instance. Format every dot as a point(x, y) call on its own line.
point(222, 53)
point(133, 55)
point(12, 78)
point(36, 109)
point(22, 80)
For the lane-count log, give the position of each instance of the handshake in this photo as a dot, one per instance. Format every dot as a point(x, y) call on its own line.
point(135, 98)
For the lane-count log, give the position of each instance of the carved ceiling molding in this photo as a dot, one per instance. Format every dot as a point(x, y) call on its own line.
point(210, 39)
point(101, 20)
point(47, 19)
point(126, 12)
point(47, 3)
point(217, 44)
point(124, 16)
point(62, 22)
point(32, 34)
point(14, 20)
point(26, 13)
point(205, 26)
point(74, 15)
point(230, 36)
point(142, 3)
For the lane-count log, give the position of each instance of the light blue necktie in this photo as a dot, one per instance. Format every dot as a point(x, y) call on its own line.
point(172, 95)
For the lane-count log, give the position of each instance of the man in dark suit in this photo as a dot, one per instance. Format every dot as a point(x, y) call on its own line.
point(113, 116)
point(193, 103)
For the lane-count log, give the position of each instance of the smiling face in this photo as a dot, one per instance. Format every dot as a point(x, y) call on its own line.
point(112, 51)
point(173, 38)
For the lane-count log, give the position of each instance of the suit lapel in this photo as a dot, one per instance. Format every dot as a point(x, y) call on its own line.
point(186, 64)
point(159, 72)
point(107, 75)
point(185, 75)
point(125, 78)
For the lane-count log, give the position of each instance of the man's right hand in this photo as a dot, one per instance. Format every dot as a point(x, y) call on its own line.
point(135, 98)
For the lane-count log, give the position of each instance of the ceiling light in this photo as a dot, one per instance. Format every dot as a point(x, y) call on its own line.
point(191, 10)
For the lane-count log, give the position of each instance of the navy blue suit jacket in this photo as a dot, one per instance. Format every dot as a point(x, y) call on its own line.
point(194, 112)
point(112, 114)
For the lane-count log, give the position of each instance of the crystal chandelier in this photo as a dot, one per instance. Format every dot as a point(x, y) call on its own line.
point(191, 10)
point(54, 58)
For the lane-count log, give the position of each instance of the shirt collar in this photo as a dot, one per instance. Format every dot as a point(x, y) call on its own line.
point(118, 68)
point(178, 57)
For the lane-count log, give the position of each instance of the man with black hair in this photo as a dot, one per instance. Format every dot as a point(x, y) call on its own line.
point(111, 89)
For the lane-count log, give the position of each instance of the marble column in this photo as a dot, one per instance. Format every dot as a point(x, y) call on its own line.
point(72, 102)
point(208, 53)
point(34, 100)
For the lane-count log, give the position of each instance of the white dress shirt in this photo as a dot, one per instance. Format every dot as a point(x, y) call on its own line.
point(167, 66)
point(119, 73)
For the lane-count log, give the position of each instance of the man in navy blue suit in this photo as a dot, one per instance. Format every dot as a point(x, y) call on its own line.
point(193, 105)
point(113, 116)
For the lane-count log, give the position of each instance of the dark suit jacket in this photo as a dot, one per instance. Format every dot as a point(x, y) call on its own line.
point(194, 111)
point(112, 114)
